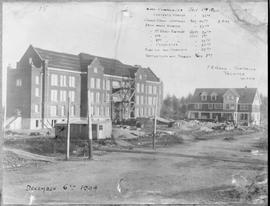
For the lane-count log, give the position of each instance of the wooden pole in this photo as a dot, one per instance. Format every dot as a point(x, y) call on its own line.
point(155, 125)
point(68, 131)
point(89, 126)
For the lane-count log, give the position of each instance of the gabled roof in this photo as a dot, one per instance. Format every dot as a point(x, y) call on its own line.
point(246, 95)
point(59, 59)
point(80, 62)
point(111, 66)
point(151, 75)
point(232, 91)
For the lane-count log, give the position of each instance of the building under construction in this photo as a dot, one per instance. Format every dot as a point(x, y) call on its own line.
point(38, 89)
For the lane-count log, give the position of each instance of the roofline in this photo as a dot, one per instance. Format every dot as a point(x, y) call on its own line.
point(63, 53)
point(37, 52)
point(95, 57)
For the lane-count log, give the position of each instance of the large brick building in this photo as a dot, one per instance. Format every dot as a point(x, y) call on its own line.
point(38, 89)
point(241, 105)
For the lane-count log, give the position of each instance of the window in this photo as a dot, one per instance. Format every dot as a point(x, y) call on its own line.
point(54, 95)
point(204, 97)
point(92, 83)
point(62, 111)
point(101, 111)
point(141, 112)
point(95, 70)
point(138, 87)
point(154, 89)
point(37, 122)
point(138, 99)
point(149, 100)
point(98, 83)
point(218, 106)
point(63, 95)
point(213, 97)
point(108, 84)
point(227, 106)
point(18, 82)
point(63, 82)
point(136, 112)
point(107, 97)
point(91, 110)
point(115, 84)
point(104, 84)
point(37, 79)
point(154, 100)
point(197, 106)
point(243, 107)
point(210, 106)
point(97, 110)
point(54, 80)
point(94, 111)
point(37, 92)
point(232, 106)
point(100, 127)
point(142, 100)
point(92, 97)
point(71, 96)
point(97, 97)
point(36, 108)
point(140, 76)
point(142, 88)
point(71, 81)
point(72, 110)
point(53, 111)
point(107, 111)
point(244, 116)
point(150, 89)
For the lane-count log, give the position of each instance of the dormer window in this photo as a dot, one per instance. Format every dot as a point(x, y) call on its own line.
point(204, 96)
point(213, 97)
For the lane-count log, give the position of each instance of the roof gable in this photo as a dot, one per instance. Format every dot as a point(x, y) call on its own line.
point(59, 59)
point(111, 66)
point(231, 92)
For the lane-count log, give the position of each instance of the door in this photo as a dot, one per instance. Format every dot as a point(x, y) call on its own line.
point(94, 131)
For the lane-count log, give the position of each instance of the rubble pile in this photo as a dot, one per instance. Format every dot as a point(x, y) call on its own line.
point(12, 160)
point(256, 190)
point(205, 126)
point(246, 190)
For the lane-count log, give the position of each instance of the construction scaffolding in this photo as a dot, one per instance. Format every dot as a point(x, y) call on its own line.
point(123, 100)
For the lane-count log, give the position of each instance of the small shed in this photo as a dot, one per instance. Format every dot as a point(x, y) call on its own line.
point(79, 129)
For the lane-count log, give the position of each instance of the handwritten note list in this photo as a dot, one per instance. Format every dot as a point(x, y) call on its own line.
point(179, 33)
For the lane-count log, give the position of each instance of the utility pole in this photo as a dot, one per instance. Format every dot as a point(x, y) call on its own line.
point(89, 125)
point(68, 130)
point(155, 125)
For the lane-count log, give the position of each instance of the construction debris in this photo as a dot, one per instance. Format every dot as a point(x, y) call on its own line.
point(12, 160)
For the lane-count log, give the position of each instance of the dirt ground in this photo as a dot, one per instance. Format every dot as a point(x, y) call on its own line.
point(201, 169)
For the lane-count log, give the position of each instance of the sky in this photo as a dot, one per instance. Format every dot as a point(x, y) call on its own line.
point(103, 29)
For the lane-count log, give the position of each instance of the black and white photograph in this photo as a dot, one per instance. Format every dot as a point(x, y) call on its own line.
point(134, 102)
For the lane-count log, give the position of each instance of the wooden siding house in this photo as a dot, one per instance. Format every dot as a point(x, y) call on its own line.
point(241, 105)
